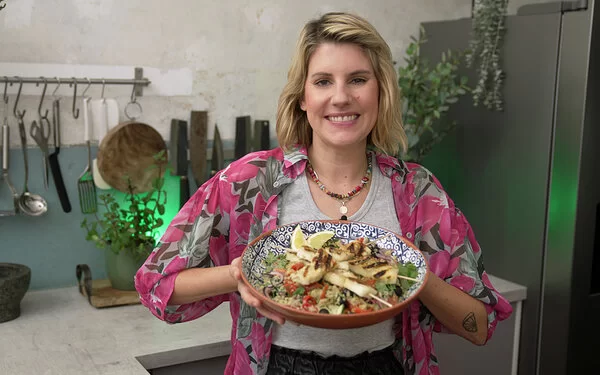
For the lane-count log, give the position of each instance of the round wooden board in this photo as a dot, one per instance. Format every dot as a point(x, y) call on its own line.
point(128, 150)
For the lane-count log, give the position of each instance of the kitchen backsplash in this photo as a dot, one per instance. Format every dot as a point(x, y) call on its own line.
point(53, 244)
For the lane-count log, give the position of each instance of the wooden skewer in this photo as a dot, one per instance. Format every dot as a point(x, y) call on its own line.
point(408, 278)
point(380, 300)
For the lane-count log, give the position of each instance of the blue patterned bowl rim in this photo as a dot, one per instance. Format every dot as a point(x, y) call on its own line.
point(278, 240)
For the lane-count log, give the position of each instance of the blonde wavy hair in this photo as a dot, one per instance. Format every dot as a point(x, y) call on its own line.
point(292, 123)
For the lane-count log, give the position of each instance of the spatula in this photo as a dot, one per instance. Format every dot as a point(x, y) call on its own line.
point(85, 183)
point(53, 160)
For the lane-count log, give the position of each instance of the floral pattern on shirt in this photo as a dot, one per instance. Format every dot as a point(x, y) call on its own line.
point(241, 201)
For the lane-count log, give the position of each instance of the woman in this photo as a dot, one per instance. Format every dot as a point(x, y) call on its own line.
point(338, 121)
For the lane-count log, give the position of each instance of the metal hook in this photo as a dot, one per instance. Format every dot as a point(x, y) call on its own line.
point(87, 88)
point(133, 98)
point(75, 111)
point(132, 105)
point(103, 85)
point(45, 115)
point(57, 86)
point(16, 112)
point(5, 97)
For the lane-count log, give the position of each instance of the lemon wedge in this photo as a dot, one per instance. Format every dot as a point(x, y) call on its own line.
point(298, 239)
point(316, 240)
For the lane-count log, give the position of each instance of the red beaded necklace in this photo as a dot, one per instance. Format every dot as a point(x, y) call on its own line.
point(342, 198)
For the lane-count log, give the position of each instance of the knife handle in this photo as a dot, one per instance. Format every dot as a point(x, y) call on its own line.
point(59, 183)
point(184, 190)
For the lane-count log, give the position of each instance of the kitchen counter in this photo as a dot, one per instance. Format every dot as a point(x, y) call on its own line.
point(60, 333)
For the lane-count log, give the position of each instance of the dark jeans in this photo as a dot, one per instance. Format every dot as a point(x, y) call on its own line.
point(285, 361)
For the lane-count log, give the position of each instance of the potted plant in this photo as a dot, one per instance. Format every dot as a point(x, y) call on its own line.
point(126, 229)
point(427, 94)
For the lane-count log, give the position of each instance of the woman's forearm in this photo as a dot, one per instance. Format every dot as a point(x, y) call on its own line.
point(195, 284)
point(456, 310)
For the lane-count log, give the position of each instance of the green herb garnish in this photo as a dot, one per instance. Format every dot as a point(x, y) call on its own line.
point(273, 261)
point(385, 289)
point(408, 270)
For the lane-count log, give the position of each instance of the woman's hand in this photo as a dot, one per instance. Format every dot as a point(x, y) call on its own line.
point(235, 270)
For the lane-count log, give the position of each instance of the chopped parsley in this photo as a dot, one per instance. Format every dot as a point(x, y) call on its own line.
point(409, 270)
point(384, 289)
point(332, 242)
point(273, 261)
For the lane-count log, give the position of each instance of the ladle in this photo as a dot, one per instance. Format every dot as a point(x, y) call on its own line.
point(29, 204)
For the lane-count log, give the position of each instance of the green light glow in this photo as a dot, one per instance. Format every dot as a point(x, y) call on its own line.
point(563, 199)
point(171, 208)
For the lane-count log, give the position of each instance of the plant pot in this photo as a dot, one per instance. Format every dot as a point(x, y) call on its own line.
point(121, 269)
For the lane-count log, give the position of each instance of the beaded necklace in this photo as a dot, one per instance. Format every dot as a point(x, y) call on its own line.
point(342, 198)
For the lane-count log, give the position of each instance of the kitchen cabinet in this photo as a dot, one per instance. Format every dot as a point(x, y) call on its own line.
point(211, 366)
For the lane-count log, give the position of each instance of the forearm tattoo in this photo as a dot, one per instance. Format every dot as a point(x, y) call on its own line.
point(470, 323)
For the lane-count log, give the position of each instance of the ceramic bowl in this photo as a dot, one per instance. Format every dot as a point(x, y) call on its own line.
point(277, 240)
point(14, 283)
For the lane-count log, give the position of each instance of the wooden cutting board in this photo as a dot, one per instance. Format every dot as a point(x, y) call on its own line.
point(100, 293)
point(127, 151)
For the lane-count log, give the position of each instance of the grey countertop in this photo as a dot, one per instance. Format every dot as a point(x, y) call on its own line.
point(60, 333)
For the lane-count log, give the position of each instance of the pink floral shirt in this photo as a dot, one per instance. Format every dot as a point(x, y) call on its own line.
point(240, 202)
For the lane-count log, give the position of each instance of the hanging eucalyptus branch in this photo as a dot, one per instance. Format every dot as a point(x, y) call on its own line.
point(485, 49)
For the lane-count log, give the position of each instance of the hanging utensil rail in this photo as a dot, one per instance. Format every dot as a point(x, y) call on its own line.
point(93, 81)
point(138, 81)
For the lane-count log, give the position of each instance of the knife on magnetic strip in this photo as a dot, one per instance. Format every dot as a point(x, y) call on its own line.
point(261, 136)
point(217, 161)
point(243, 136)
point(178, 158)
point(198, 128)
point(182, 164)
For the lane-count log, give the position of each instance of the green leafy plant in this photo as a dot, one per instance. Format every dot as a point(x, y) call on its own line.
point(130, 226)
point(427, 93)
point(484, 51)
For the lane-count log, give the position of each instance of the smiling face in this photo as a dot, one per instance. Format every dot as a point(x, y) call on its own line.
point(341, 96)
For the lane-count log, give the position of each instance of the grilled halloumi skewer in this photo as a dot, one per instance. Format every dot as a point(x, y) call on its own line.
point(292, 257)
point(340, 254)
point(349, 251)
point(351, 285)
point(307, 253)
point(375, 268)
point(357, 249)
point(314, 270)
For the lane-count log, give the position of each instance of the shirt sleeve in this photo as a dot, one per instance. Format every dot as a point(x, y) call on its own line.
point(198, 230)
point(447, 239)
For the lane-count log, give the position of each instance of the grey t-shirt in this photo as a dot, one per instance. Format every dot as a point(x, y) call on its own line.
point(296, 204)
